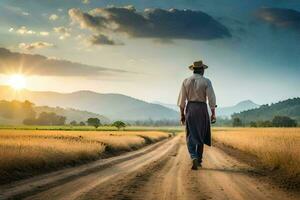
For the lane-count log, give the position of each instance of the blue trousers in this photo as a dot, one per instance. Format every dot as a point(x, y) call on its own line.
point(195, 150)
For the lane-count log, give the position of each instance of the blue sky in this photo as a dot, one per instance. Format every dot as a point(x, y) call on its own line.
point(252, 47)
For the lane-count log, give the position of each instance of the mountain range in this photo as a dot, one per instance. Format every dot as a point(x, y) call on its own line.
point(113, 106)
point(239, 107)
point(71, 114)
point(167, 105)
point(289, 108)
point(223, 112)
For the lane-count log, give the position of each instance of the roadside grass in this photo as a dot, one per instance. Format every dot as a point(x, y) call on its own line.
point(277, 148)
point(25, 153)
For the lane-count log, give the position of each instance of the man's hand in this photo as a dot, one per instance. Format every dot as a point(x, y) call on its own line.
point(213, 119)
point(182, 119)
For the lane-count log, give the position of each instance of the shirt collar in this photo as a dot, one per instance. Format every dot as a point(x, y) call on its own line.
point(197, 75)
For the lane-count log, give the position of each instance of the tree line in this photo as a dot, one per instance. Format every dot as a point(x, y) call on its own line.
point(277, 121)
point(96, 123)
point(44, 118)
point(16, 109)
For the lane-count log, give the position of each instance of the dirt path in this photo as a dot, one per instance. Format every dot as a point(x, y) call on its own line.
point(160, 171)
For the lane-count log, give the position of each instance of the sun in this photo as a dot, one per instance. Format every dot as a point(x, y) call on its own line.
point(17, 81)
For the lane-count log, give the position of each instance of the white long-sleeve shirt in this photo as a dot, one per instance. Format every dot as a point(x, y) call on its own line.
point(197, 88)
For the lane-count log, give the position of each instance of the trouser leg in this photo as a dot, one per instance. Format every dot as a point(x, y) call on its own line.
point(192, 148)
point(200, 148)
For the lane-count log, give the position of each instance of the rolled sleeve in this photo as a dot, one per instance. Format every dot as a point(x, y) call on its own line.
point(182, 97)
point(210, 95)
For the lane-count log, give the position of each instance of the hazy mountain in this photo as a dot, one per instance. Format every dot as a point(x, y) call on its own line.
point(222, 111)
point(171, 106)
point(14, 113)
point(113, 106)
point(71, 114)
point(290, 108)
point(241, 106)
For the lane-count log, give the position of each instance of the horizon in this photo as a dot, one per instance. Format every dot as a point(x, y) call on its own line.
point(252, 53)
point(153, 102)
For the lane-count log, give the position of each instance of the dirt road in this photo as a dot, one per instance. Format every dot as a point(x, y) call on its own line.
point(159, 171)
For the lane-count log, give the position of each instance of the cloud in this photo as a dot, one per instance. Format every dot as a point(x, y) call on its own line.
point(279, 17)
point(62, 31)
point(151, 23)
point(24, 31)
point(85, 1)
point(53, 17)
point(35, 45)
point(101, 39)
point(44, 33)
point(11, 62)
point(25, 13)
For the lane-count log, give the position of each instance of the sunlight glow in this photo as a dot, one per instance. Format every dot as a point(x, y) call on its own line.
point(17, 81)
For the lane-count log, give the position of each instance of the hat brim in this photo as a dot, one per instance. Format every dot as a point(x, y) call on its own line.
point(192, 67)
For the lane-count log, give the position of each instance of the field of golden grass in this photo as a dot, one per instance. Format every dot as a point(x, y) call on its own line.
point(25, 152)
point(277, 148)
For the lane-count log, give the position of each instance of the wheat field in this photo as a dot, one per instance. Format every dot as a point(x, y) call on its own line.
point(277, 148)
point(25, 152)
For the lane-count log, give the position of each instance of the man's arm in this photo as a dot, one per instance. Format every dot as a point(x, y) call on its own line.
point(182, 116)
point(181, 103)
point(211, 100)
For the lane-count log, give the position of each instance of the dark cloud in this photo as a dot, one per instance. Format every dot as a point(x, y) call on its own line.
point(152, 23)
point(12, 62)
point(101, 39)
point(279, 17)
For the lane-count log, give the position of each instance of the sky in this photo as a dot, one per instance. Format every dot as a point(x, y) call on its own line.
point(142, 48)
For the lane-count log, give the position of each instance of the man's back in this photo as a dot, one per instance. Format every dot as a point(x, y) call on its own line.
point(197, 88)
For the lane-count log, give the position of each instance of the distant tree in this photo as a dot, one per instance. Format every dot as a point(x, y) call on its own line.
point(283, 121)
point(46, 119)
point(119, 124)
point(266, 123)
point(253, 124)
point(30, 121)
point(237, 122)
point(81, 124)
point(94, 122)
point(73, 123)
point(16, 109)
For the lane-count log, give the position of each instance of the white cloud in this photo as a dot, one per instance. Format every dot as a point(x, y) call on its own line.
point(35, 45)
point(63, 32)
point(25, 13)
point(85, 1)
point(23, 31)
point(53, 17)
point(44, 33)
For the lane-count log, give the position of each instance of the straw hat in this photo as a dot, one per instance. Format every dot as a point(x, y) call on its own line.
point(198, 64)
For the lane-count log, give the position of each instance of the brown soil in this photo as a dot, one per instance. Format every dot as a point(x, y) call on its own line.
point(159, 171)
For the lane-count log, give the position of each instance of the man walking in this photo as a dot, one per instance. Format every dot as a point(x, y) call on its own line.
point(195, 92)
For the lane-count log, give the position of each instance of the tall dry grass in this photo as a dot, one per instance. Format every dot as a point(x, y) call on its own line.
point(277, 148)
point(25, 153)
